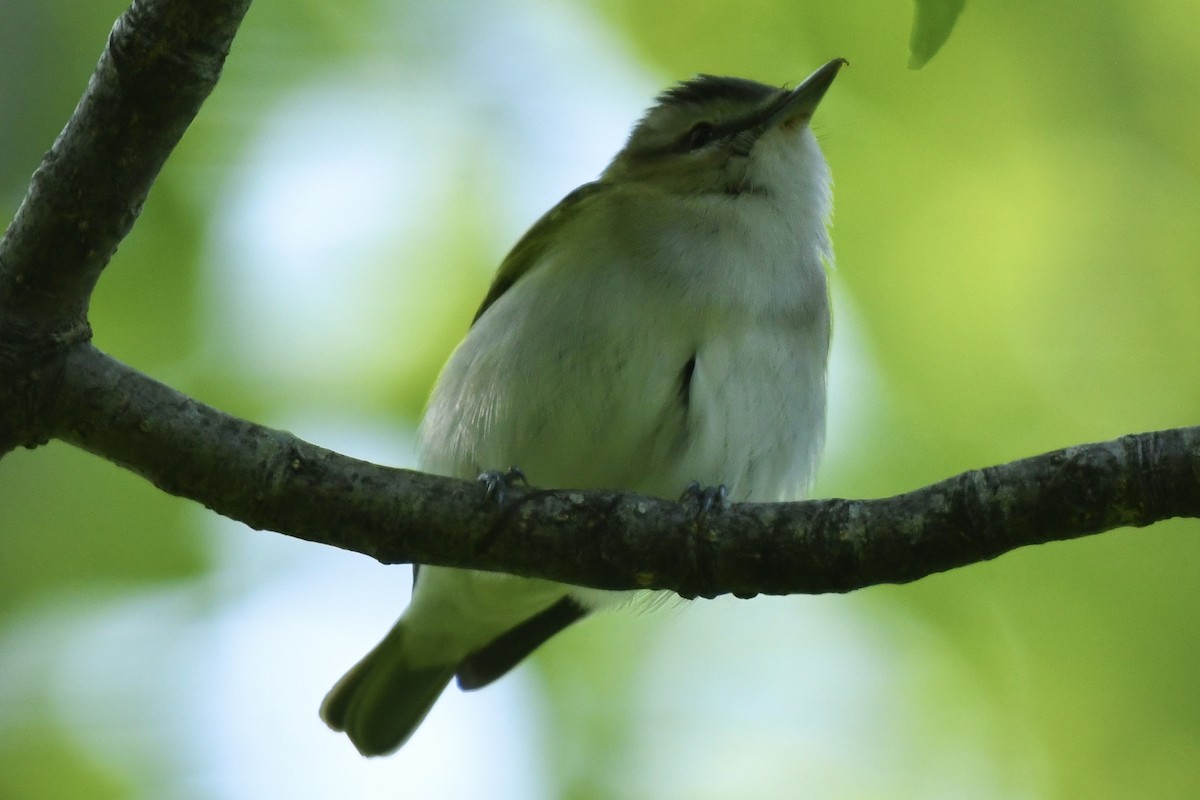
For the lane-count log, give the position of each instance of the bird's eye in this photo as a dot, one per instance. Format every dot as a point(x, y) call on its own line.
point(700, 135)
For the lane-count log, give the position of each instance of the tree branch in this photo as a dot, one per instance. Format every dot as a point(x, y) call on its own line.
point(162, 60)
point(270, 479)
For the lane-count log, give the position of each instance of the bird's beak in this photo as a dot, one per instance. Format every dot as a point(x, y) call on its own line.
point(798, 105)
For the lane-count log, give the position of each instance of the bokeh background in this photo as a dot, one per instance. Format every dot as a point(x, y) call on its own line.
point(1017, 230)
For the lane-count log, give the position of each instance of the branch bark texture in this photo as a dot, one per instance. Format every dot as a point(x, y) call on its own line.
point(162, 60)
point(270, 479)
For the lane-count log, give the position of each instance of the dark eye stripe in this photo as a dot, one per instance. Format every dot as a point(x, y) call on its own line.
point(704, 132)
point(700, 134)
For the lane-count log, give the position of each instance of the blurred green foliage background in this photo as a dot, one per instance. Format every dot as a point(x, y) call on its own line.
point(1017, 230)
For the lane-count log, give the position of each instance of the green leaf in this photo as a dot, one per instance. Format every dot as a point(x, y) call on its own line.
point(932, 23)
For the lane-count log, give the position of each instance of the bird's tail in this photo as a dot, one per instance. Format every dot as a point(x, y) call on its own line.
point(383, 698)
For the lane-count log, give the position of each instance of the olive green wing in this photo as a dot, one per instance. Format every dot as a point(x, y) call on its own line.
point(533, 244)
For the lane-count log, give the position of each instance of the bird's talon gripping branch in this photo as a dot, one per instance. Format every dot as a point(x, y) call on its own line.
point(706, 497)
point(497, 483)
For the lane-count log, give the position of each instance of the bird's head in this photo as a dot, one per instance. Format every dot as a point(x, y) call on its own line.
point(728, 136)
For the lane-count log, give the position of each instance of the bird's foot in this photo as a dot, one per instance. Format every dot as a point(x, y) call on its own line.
point(706, 498)
point(498, 483)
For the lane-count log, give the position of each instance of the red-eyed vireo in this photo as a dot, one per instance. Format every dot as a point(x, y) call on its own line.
point(666, 324)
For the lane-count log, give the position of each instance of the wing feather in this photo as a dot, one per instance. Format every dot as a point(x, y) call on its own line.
point(533, 244)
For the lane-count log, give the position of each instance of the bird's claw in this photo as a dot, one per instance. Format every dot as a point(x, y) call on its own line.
point(706, 497)
point(497, 483)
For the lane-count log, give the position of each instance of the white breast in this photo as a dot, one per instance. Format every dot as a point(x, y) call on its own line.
point(576, 373)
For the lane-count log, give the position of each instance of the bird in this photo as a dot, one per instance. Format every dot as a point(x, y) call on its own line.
point(667, 324)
